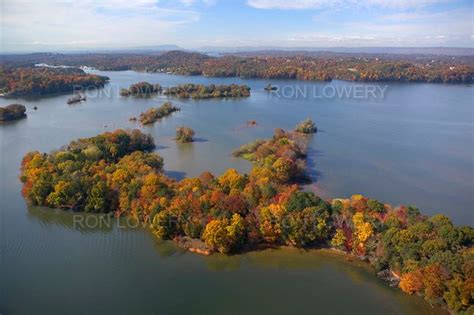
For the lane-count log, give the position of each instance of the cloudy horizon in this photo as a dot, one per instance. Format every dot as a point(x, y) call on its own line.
point(191, 24)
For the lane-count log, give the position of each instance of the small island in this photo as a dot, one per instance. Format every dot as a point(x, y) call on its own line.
point(141, 89)
point(184, 134)
point(210, 91)
point(76, 99)
point(307, 126)
point(12, 112)
point(154, 114)
point(270, 87)
point(251, 123)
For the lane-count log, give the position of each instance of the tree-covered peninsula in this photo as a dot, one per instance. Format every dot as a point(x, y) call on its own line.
point(46, 80)
point(117, 172)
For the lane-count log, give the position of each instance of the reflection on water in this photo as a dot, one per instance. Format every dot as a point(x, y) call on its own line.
point(118, 258)
point(84, 222)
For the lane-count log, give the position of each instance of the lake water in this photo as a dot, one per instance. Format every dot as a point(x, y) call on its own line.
point(414, 146)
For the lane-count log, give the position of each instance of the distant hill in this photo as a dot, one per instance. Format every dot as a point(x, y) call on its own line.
point(125, 50)
point(160, 47)
point(446, 51)
point(150, 49)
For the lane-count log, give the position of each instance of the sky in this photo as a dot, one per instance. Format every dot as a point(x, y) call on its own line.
point(48, 25)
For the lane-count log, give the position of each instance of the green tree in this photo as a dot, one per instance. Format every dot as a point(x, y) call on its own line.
point(164, 225)
point(40, 190)
point(97, 199)
point(308, 226)
point(302, 199)
point(375, 206)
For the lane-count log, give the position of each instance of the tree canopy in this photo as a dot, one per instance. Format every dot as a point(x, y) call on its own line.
point(209, 91)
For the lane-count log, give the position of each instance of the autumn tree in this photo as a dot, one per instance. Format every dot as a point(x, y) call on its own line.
point(307, 126)
point(339, 240)
point(184, 134)
point(307, 226)
point(224, 235)
point(164, 225)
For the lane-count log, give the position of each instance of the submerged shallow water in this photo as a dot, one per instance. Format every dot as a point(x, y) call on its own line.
point(414, 146)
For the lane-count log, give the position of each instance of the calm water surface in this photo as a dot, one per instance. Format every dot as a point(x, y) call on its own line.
point(415, 146)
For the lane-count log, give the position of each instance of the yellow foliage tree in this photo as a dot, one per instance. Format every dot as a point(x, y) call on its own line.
point(339, 239)
point(231, 179)
point(271, 222)
point(363, 230)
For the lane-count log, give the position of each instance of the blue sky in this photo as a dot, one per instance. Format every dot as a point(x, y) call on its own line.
point(29, 25)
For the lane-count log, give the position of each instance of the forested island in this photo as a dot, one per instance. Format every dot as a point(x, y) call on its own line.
point(184, 134)
point(141, 89)
point(307, 126)
point(12, 112)
point(152, 115)
point(24, 81)
point(189, 90)
point(209, 91)
point(323, 67)
point(117, 172)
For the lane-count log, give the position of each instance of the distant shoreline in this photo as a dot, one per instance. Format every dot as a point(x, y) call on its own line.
point(267, 65)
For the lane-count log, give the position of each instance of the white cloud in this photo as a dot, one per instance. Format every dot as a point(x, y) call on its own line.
point(425, 16)
point(454, 23)
point(295, 4)
point(338, 4)
point(97, 24)
point(421, 28)
point(401, 4)
point(58, 24)
point(192, 2)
